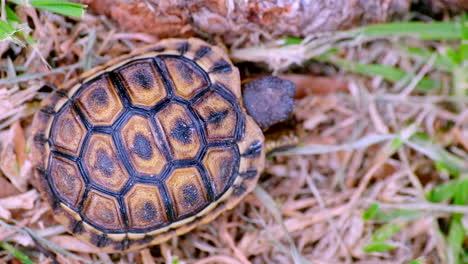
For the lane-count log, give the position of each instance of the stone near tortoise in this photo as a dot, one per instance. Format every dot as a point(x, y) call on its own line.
point(152, 144)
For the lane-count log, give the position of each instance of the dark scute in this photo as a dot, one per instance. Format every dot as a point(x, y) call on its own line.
point(226, 169)
point(185, 71)
point(62, 93)
point(183, 47)
point(148, 212)
point(142, 147)
point(202, 52)
point(216, 117)
point(99, 97)
point(100, 240)
point(104, 163)
point(254, 150)
point(269, 100)
point(40, 137)
point(145, 240)
point(249, 174)
point(77, 227)
point(123, 245)
point(48, 110)
point(143, 78)
point(221, 66)
point(41, 172)
point(239, 189)
point(191, 195)
point(182, 131)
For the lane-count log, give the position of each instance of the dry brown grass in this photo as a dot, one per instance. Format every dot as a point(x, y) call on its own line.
point(307, 209)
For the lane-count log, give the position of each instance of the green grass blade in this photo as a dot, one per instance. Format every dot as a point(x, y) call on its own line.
point(60, 7)
point(461, 194)
point(13, 19)
point(375, 213)
point(385, 232)
point(443, 192)
point(415, 262)
point(381, 235)
point(11, 15)
point(387, 72)
point(57, 6)
point(292, 41)
point(429, 31)
point(19, 255)
point(6, 30)
point(371, 211)
point(442, 167)
point(441, 62)
point(456, 237)
point(437, 153)
point(378, 247)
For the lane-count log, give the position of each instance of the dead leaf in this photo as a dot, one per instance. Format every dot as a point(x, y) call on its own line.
point(6, 188)
point(309, 84)
point(19, 141)
point(13, 157)
point(74, 244)
point(20, 201)
point(146, 257)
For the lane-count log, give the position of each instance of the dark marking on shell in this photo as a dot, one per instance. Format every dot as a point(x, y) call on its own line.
point(249, 174)
point(226, 169)
point(239, 189)
point(123, 245)
point(41, 172)
point(183, 47)
point(99, 97)
point(104, 163)
point(48, 110)
point(100, 240)
point(142, 147)
point(191, 195)
point(62, 93)
point(254, 150)
point(185, 71)
point(54, 202)
point(145, 240)
point(143, 78)
point(77, 227)
point(201, 52)
point(216, 117)
point(221, 66)
point(182, 131)
point(40, 137)
point(148, 212)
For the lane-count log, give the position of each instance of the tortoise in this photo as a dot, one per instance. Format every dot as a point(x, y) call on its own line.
point(153, 143)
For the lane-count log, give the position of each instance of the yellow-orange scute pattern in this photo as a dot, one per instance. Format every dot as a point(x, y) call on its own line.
point(147, 146)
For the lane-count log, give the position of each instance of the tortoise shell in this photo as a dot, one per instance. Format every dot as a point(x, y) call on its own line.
point(148, 146)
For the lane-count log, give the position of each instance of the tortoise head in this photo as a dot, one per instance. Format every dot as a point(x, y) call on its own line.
point(269, 100)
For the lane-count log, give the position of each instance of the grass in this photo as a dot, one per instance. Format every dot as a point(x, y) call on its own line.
point(13, 27)
point(452, 61)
